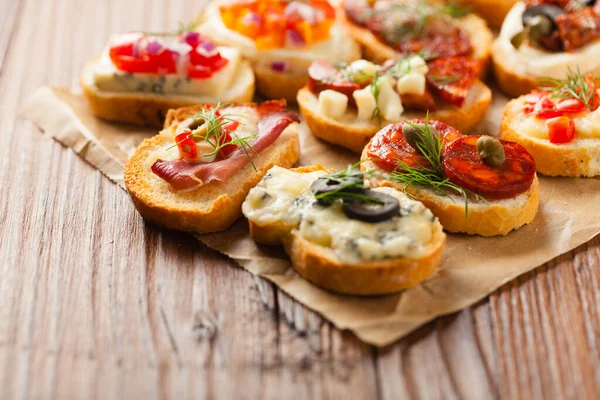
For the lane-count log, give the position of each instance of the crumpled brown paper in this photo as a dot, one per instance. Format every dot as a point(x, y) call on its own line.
point(471, 268)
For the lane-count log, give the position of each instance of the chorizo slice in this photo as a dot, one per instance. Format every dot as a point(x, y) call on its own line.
point(389, 148)
point(464, 167)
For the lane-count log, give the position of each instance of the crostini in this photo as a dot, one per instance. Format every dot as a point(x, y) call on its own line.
point(281, 38)
point(387, 29)
point(478, 185)
point(195, 174)
point(343, 236)
point(139, 76)
point(347, 104)
point(546, 38)
point(559, 126)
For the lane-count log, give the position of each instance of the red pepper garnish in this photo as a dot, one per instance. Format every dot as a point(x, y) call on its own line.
point(560, 129)
point(187, 147)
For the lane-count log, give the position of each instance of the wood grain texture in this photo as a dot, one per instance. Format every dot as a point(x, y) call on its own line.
point(95, 303)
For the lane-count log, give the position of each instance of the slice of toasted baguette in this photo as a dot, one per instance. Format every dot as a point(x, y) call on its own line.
point(581, 157)
point(149, 109)
point(493, 11)
point(485, 218)
point(353, 134)
point(321, 266)
point(278, 85)
point(481, 39)
point(212, 207)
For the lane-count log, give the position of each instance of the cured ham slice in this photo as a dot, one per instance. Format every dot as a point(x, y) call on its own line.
point(183, 176)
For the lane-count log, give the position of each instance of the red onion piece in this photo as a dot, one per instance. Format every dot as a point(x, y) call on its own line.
point(295, 38)
point(252, 18)
point(154, 47)
point(192, 38)
point(207, 49)
point(279, 66)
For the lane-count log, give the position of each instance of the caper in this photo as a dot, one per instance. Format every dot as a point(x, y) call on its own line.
point(491, 151)
point(415, 135)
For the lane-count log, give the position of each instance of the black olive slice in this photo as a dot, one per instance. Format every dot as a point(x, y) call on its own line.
point(371, 211)
point(546, 10)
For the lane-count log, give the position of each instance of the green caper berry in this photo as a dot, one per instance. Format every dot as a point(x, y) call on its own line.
point(491, 151)
point(414, 135)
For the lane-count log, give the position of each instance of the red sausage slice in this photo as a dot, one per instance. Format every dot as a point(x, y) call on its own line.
point(388, 147)
point(323, 76)
point(451, 78)
point(464, 167)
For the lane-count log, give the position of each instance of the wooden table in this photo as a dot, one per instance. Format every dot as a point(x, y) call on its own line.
point(96, 303)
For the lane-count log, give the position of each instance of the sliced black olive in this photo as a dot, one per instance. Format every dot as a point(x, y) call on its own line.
point(545, 10)
point(370, 211)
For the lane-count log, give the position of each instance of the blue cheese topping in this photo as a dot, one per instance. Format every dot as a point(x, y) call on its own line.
point(108, 78)
point(284, 198)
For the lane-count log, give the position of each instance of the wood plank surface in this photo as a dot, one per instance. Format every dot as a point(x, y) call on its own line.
point(96, 303)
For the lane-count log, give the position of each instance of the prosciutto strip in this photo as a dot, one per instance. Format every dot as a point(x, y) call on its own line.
point(183, 176)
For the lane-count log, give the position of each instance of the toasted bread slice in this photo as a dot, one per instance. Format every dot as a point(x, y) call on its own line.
point(322, 266)
point(517, 74)
point(485, 218)
point(377, 51)
point(353, 134)
point(149, 109)
point(581, 157)
point(493, 11)
point(212, 207)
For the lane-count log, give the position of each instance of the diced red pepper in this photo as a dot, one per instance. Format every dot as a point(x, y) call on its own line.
point(560, 129)
point(571, 106)
point(187, 147)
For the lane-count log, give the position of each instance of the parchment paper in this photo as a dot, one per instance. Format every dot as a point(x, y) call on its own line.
point(471, 268)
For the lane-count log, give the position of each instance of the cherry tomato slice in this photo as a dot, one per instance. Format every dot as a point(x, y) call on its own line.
point(560, 130)
point(464, 167)
point(187, 147)
point(389, 147)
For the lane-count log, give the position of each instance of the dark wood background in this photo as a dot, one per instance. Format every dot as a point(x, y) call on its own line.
point(96, 303)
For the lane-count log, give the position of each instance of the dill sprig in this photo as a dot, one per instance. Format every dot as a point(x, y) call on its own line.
point(576, 86)
point(182, 29)
point(350, 182)
point(433, 177)
point(375, 89)
point(415, 17)
point(214, 133)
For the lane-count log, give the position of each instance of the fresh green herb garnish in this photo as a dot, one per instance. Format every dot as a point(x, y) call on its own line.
point(348, 184)
point(375, 89)
point(412, 19)
point(215, 135)
point(433, 177)
point(576, 86)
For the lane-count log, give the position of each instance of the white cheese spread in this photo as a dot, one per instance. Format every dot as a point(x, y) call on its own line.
point(283, 197)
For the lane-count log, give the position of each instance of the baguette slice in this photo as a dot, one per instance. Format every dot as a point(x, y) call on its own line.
point(321, 266)
point(148, 109)
point(581, 157)
point(354, 134)
point(377, 51)
point(212, 207)
point(491, 218)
